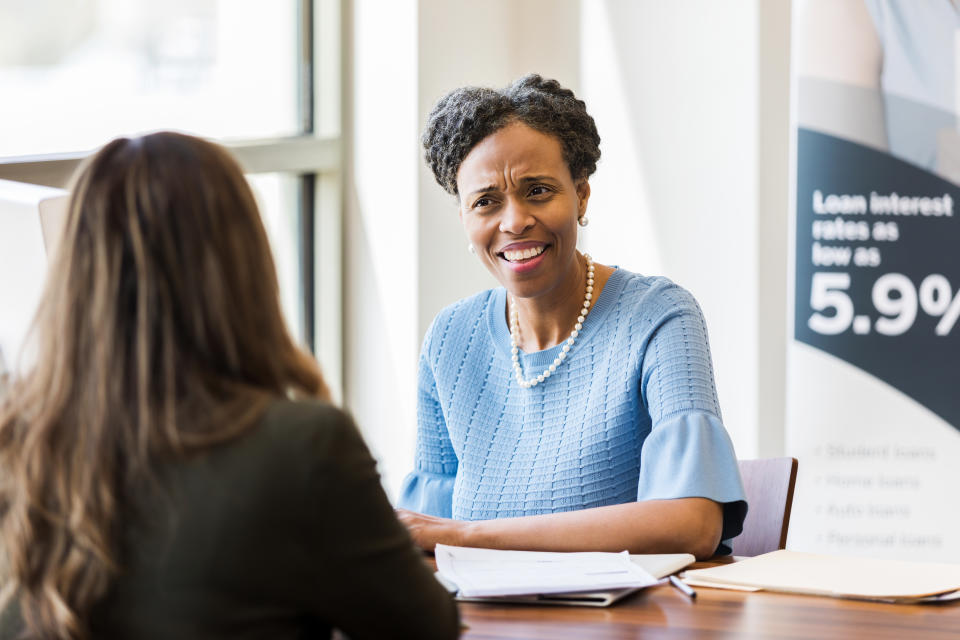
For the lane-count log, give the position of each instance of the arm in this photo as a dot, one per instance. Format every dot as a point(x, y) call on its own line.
point(684, 525)
point(376, 567)
point(839, 65)
point(429, 487)
point(839, 42)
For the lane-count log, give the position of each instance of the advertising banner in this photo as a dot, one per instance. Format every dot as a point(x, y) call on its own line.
point(874, 355)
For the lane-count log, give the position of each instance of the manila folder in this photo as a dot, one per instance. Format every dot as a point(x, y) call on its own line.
point(838, 576)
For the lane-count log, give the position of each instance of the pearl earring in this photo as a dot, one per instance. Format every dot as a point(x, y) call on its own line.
point(471, 249)
point(583, 220)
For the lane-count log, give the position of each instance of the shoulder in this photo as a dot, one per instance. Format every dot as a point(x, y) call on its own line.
point(300, 416)
point(458, 320)
point(655, 298)
point(311, 430)
point(463, 311)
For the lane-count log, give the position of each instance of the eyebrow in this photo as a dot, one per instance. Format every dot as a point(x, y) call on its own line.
point(537, 178)
point(486, 189)
point(525, 179)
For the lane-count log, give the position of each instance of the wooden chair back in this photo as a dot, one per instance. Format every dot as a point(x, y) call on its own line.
point(769, 484)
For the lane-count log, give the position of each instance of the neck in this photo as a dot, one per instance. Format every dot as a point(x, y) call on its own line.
point(546, 321)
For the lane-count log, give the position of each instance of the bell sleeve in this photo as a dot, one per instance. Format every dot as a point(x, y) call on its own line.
point(429, 487)
point(688, 452)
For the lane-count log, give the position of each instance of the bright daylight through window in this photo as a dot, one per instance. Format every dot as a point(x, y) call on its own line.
point(242, 72)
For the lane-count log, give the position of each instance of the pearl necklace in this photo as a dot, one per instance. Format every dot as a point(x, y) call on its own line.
point(515, 335)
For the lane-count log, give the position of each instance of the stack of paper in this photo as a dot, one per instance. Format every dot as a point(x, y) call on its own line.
point(483, 573)
point(837, 576)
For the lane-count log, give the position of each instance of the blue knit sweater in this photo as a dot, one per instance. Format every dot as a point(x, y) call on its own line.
point(631, 414)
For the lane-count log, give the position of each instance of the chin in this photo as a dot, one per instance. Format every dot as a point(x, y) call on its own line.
point(523, 288)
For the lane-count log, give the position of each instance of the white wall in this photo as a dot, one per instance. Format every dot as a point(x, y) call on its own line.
point(691, 99)
point(380, 225)
point(688, 100)
point(775, 170)
point(405, 252)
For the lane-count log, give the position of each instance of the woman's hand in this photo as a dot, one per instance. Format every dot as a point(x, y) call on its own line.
point(428, 531)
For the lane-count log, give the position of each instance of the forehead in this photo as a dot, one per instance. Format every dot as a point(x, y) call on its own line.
point(514, 151)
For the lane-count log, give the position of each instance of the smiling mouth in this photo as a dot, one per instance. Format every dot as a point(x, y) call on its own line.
point(522, 255)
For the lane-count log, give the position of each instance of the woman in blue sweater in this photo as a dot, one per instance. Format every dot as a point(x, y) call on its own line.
point(573, 408)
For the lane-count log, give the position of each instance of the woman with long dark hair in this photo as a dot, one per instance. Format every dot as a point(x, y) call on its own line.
point(171, 465)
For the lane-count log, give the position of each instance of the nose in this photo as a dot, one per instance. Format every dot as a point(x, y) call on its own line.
point(515, 218)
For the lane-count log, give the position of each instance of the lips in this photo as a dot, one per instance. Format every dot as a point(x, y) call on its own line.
point(522, 254)
point(521, 257)
point(519, 252)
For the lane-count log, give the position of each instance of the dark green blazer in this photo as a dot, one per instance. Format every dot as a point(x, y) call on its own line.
point(282, 533)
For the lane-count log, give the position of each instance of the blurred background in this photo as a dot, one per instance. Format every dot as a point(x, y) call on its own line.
point(322, 101)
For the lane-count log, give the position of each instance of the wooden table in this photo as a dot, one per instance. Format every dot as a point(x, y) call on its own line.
point(662, 611)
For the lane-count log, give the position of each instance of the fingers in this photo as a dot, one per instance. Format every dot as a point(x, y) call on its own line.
point(418, 526)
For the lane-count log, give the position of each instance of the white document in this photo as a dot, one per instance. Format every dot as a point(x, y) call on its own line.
point(491, 572)
point(660, 565)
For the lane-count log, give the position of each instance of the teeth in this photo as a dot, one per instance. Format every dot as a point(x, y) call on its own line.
point(523, 254)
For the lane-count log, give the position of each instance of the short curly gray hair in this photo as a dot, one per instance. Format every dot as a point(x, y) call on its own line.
point(465, 116)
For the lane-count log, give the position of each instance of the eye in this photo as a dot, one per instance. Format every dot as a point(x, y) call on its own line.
point(482, 202)
point(539, 190)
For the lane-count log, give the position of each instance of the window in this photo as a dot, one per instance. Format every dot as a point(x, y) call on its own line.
point(225, 69)
point(260, 76)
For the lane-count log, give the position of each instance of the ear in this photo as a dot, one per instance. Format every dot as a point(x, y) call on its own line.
point(583, 195)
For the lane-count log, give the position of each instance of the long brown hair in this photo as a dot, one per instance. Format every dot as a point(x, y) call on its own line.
point(159, 334)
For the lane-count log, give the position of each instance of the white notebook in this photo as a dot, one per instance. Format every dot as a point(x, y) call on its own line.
point(532, 577)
